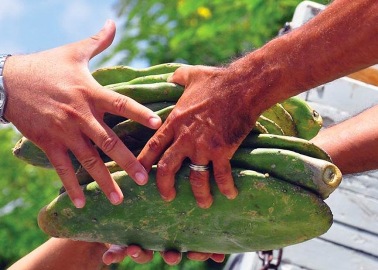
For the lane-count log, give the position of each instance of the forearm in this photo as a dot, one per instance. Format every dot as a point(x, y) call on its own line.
point(352, 144)
point(56, 254)
point(338, 41)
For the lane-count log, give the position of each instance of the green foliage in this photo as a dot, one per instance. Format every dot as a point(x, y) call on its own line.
point(197, 32)
point(24, 191)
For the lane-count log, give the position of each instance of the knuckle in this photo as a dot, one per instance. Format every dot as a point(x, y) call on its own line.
point(222, 178)
point(197, 180)
point(58, 122)
point(174, 115)
point(155, 144)
point(71, 112)
point(109, 144)
point(62, 170)
point(202, 143)
point(163, 169)
point(95, 37)
point(89, 162)
point(129, 163)
point(121, 104)
point(186, 135)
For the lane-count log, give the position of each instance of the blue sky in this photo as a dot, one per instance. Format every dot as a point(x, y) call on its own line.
point(30, 26)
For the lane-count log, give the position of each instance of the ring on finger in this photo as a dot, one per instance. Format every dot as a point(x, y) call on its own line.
point(198, 168)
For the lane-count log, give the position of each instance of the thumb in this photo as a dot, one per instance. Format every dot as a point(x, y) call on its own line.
point(180, 76)
point(186, 73)
point(100, 41)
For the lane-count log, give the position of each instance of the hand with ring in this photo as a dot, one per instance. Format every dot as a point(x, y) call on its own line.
point(206, 126)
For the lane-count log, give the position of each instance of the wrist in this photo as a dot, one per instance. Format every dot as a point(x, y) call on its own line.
point(261, 76)
point(3, 92)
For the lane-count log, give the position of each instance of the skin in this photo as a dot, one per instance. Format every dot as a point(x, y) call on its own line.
point(215, 114)
point(63, 254)
point(353, 143)
point(55, 102)
point(116, 254)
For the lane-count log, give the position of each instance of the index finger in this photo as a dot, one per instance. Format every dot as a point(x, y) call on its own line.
point(114, 148)
point(118, 104)
point(155, 146)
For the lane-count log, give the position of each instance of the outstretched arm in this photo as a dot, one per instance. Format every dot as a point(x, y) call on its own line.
point(220, 105)
point(353, 143)
point(63, 254)
point(328, 47)
point(66, 254)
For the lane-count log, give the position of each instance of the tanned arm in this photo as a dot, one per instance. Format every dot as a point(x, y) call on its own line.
point(63, 254)
point(352, 144)
point(220, 105)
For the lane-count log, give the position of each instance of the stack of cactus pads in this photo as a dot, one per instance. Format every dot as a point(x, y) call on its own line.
point(282, 179)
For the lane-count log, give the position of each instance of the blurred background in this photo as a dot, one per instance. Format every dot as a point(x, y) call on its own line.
point(148, 32)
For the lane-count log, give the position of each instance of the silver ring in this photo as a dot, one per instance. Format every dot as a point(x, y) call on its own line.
point(198, 168)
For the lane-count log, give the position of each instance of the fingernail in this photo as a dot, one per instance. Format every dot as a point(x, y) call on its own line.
point(135, 254)
point(155, 121)
point(108, 258)
point(107, 22)
point(205, 204)
point(232, 195)
point(115, 198)
point(141, 178)
point(168, 197)
point(79, 203)
point(165, 198)
point(169, 79)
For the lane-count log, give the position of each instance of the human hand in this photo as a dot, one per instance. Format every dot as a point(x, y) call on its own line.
point(116, 254)
point(208, 124)
point(55, 102)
